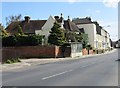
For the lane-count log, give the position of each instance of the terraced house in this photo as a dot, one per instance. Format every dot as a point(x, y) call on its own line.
point(98, 37)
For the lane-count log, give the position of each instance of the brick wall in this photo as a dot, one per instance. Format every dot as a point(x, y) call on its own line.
point(50, 51)
point(58, 52)
point(85, 52)
point(91, 52)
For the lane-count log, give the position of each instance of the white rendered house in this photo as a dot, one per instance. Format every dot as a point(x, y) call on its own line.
point(46, 27)
point(90, 29)
point(97, 37)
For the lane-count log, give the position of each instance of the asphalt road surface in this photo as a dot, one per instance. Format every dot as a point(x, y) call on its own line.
point(99, 70)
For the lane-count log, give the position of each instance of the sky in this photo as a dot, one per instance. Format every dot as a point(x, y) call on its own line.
point(104, 11)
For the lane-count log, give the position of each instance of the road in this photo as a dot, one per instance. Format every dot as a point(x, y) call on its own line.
point(99, 70)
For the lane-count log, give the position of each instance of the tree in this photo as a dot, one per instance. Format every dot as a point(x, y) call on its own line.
point(79, 37)
point(56, 36)
point(84, 40)
point(70, 36)
point(12, 18)
point(3, 32)
point(20, 31)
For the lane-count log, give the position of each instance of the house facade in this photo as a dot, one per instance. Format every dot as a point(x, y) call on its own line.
point(98, 37)
point(45, 29)
point(66, 25)
point(42, 27)
point(90, 29)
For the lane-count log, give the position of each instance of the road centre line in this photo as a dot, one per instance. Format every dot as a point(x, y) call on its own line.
point(56, 75)
point(65, 72)
point(70, 70)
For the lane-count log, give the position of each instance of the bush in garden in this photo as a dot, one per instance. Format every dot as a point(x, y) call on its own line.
point(89, 47)
point(9, 41)
point(32, 40)
point(12, 60)
point(25, 40)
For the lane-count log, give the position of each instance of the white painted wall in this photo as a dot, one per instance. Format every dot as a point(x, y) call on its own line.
point(46, 27)
point(106, 40)
point(100, 41)
point(94, 39)
point(90, 29)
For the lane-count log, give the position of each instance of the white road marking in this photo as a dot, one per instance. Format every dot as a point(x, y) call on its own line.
point(56, 75)
point(87, 65)
point(65, 72)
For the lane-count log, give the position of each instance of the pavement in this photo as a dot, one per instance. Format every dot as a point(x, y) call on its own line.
point(36, 61)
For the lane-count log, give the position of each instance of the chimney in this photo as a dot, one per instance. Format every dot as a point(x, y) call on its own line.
point(68, 18)
point(27, 19)
point(56, 17)
point(89, 18)
point(61, 18)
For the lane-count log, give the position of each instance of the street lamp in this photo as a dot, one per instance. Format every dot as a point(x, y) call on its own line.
point(106, 26)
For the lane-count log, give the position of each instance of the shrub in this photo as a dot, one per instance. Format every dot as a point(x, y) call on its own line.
point(13, 60)
point(25, 40)
point(9, 41)
point(9, 62)
point(89, 47)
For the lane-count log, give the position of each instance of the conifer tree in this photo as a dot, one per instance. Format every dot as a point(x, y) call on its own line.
point(20, 31)
point(56, 36)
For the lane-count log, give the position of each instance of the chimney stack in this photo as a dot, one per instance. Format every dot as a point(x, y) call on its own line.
point(56, 17)
point(68, 18)
point(27, 19)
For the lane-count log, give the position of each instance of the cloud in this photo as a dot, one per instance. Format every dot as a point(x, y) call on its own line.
point(111, 3)
point(72, 1)
point(98, 11)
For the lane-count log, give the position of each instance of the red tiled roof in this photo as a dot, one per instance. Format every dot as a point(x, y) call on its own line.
point(70, 26)
point(29, 27)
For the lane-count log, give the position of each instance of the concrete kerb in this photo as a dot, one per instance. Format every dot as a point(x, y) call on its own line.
point(35, 61)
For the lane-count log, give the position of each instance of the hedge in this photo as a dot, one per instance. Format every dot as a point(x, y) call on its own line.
point(31, 40)
point(9, 41)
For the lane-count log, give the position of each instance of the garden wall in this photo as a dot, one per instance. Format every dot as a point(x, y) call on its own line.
point(86, 52)
point(33, 51)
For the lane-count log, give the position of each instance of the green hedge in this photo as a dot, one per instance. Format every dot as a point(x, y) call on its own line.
point(9, 41)
point(31, 40)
